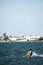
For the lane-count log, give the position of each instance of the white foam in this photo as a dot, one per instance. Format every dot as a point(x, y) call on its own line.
point(36, 55)
point(40, 55)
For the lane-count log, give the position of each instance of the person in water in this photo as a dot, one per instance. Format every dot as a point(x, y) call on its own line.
point(30, 52)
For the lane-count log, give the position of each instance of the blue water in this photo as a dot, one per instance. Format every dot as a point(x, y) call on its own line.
point(12, 53)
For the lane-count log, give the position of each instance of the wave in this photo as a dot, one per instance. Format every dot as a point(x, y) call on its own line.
point(36, 55)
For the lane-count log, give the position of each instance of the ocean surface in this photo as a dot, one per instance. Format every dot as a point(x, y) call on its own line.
point(12, 53)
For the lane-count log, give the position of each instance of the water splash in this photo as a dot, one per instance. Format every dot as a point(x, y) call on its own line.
point(36, 55)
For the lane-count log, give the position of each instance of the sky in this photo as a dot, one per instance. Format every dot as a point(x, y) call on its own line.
point(21, 17)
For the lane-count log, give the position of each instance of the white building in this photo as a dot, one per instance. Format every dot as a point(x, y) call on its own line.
point(17, 39)
point(32, 38)
point(25, 38)
point(12, 38)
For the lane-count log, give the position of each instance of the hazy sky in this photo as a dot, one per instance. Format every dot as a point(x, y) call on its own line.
point(21, 17)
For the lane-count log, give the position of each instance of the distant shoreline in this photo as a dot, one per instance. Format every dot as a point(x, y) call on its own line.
point(6, 38)
point(19, 41)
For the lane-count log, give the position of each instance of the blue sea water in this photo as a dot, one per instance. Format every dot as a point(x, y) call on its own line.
point(12, 53)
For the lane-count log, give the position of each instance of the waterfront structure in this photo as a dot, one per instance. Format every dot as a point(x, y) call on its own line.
point(12, 38)
point(20, 38)
point(17, 38)
point(32, 38)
